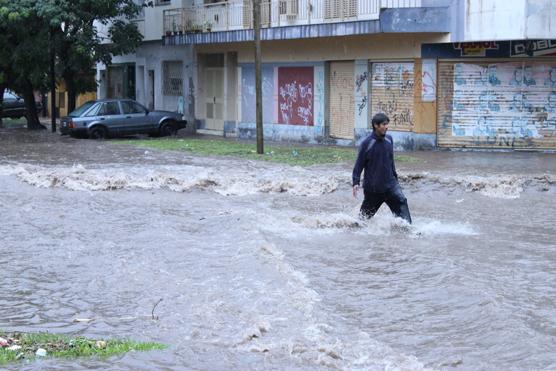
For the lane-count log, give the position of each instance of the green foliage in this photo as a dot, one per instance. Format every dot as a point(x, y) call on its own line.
point(29, 29)
point(62, 346)
point(287, 154)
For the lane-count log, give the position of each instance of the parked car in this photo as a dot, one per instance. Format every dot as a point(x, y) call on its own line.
point(14, 105)
point(100, 119)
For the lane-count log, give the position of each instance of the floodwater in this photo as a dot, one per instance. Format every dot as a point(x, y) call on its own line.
point(266, 266)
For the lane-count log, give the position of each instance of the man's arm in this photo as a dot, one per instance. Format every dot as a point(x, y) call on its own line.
point(393, 161)
point(359, 164)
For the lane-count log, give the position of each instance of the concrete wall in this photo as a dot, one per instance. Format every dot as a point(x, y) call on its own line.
point(377, 46)
point(493, 20)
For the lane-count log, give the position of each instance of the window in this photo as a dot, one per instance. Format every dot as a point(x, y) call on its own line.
point(93, 111)
point(142, 4)
point(83, 108)
point(130, 107)
point(9, 95)
point(110, 108)
point(163, 2)
point(173, 81)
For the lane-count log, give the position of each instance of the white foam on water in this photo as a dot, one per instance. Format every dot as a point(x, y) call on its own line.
point(225, 181)
point(247, 180)
point(494, 185)
point(383, 223)
point(430, 227)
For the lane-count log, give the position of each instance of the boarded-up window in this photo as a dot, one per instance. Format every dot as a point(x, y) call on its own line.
point(505, 104)
point(173, 80)
point(295, 95)
point(342, 85)
point(392, 93)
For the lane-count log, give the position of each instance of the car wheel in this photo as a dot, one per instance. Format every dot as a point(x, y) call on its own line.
point(168, 129)
point(98, 132)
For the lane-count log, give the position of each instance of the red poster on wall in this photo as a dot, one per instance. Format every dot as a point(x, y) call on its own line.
point(295, 95)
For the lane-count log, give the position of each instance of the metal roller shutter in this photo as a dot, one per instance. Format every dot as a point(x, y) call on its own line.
point(392, 93)
point(502, 104)
point(342, 102)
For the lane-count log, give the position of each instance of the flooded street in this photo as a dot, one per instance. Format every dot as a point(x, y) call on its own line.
point(266, 266)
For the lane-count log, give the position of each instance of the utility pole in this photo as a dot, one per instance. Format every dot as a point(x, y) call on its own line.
point(258, 80)
point(52, 81)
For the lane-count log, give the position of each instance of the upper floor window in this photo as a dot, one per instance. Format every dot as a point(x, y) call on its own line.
point(163, 2)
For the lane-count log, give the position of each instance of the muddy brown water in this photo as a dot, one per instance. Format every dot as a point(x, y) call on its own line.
point(266, 266)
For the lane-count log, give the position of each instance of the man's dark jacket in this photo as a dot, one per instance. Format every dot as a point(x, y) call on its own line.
point(377, 159)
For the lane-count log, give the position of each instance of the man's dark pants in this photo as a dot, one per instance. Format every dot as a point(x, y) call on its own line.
point(394, 198)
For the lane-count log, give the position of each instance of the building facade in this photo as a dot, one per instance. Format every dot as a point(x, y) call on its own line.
point(448, 73)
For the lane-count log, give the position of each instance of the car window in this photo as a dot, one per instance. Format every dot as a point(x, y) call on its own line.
point(110, 108)
point(9, 95)
point(82, 109)
point(129, 107)
point(94, 111)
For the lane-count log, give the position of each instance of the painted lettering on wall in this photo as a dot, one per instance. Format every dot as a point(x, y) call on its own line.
point(295, 95)
point(475, 49)
point(532, 48)
point(428, 80)
point(359, 80)
point(502, 104)
point(248, 93)
point(361, 105)
point(392, 90)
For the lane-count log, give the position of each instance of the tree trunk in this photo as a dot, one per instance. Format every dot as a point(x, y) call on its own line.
point(33, 122)
point(2, 89)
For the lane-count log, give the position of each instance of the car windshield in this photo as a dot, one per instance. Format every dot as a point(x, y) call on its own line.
point(82, 109)
point(9, 95)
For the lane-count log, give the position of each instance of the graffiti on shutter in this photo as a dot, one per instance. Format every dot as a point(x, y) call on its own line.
point(392, 93)
point(504, 104)
point(342, 85)
point(295, 95)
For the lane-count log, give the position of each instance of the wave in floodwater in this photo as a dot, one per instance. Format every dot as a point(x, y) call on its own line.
point(495, 185)
point(316, 340)
point(237, 182)
point(382, 224)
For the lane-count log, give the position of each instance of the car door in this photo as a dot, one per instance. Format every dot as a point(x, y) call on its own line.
point(135, 118)
point(13, 105)
point(111, 117)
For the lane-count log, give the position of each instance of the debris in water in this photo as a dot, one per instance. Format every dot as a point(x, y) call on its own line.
point(152, 312)
point(82, 319)
point(41, 352)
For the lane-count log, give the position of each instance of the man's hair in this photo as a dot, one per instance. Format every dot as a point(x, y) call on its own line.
point(379, 118)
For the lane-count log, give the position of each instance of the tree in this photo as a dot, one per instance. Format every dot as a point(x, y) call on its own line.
point(25, 46)
point(82, 45)
point(29, 28)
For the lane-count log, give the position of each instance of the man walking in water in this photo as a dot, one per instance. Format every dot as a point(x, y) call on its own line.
point(380, 183)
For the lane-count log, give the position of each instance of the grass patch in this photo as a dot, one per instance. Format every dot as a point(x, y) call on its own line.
point(25, 346)
point(292, 155)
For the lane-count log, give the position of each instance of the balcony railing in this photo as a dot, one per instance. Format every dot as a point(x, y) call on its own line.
point(237, 14)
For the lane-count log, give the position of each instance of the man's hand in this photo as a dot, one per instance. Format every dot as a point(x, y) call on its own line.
point(355, 189)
